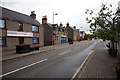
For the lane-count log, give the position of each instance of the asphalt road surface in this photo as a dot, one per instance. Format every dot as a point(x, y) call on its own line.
point(59, 63)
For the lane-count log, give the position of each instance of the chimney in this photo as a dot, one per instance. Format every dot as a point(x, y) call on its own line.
point(74, 27)
point(77, 29)
point(44, 20)
point(61, 24)
point(67, 24)
point(33, 15)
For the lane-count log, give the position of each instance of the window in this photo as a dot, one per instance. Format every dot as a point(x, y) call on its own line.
point(53, 28)
point(35, 40)
point(58, 29)
point(56, 37)
point(35, 29)
point(2, 23)
point(20, 27)
point(2, 40)
point(62, 30)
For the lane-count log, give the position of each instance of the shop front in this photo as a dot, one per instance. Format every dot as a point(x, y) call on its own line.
point(63, 39)
point(21, 46)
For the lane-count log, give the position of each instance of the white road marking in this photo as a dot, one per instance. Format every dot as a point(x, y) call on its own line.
point(64, 52)
point(24, 67)
point(76, 48)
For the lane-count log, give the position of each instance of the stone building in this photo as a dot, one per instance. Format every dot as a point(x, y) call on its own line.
point(53, 34)
point(17, 29)
point(70, 32)
point(73, 33)
point(76, 34)
point(82, 34)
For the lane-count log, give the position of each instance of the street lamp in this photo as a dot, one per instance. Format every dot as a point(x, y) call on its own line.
point(53, 16)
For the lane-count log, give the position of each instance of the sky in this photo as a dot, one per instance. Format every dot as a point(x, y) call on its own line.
point(72, 11)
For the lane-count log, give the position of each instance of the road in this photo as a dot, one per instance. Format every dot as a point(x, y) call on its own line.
point(59, 63)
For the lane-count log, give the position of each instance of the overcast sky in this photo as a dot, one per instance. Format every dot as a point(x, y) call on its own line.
point(72, 11)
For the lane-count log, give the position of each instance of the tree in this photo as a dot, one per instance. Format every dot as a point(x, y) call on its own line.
point(104, 24)
point(87, 36)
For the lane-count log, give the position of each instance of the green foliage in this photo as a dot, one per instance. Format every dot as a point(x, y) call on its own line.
point(104, 24)
point(24, 43)
point(87, 36)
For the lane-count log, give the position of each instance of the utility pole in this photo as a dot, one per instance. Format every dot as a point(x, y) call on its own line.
point(53, 16)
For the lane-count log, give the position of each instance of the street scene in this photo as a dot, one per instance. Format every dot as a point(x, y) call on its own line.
point(50, 40)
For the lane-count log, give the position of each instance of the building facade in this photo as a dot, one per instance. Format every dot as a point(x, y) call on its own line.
point(48, 32)
point(18, 29)
point(76, 34)
point(82, 34)
point(54, 34)
point(70, 32)
point(73, 33)
point(60, 34)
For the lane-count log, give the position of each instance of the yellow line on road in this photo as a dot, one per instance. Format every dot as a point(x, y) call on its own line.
point(80, 66)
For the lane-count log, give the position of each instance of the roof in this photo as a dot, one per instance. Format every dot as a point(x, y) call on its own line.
point(16, 16)
point(82, 32)
point(73, 28)
point(70, 27)
point(52, 25)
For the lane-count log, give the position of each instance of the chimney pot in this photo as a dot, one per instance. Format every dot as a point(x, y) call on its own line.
point(68, 24)
point(44, 19)
point(33, 15)
point(61, 24)
point(74, 27)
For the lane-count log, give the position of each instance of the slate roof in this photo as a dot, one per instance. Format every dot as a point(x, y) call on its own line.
point(72, 28)
point(8, 14)
point(82, 32)
point(52, 25)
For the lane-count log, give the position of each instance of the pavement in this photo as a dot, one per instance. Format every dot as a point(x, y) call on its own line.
point(12, 54)
point(100, 64)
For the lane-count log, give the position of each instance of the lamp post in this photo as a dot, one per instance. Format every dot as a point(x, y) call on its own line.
point(53, 16)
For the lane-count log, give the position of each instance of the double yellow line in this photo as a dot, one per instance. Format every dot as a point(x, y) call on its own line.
point(81, 66)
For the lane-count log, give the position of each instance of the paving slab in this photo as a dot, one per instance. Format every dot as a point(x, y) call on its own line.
point(100, 64)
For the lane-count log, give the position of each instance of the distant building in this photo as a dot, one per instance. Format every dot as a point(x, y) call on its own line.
point(73, 33)
point(70, 32)
point(60, 34)
point(76, 34)
point(54, 34)
point(18, 29)
point(82, 34)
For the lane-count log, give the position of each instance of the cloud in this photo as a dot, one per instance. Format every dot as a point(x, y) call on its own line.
point(72, 11)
